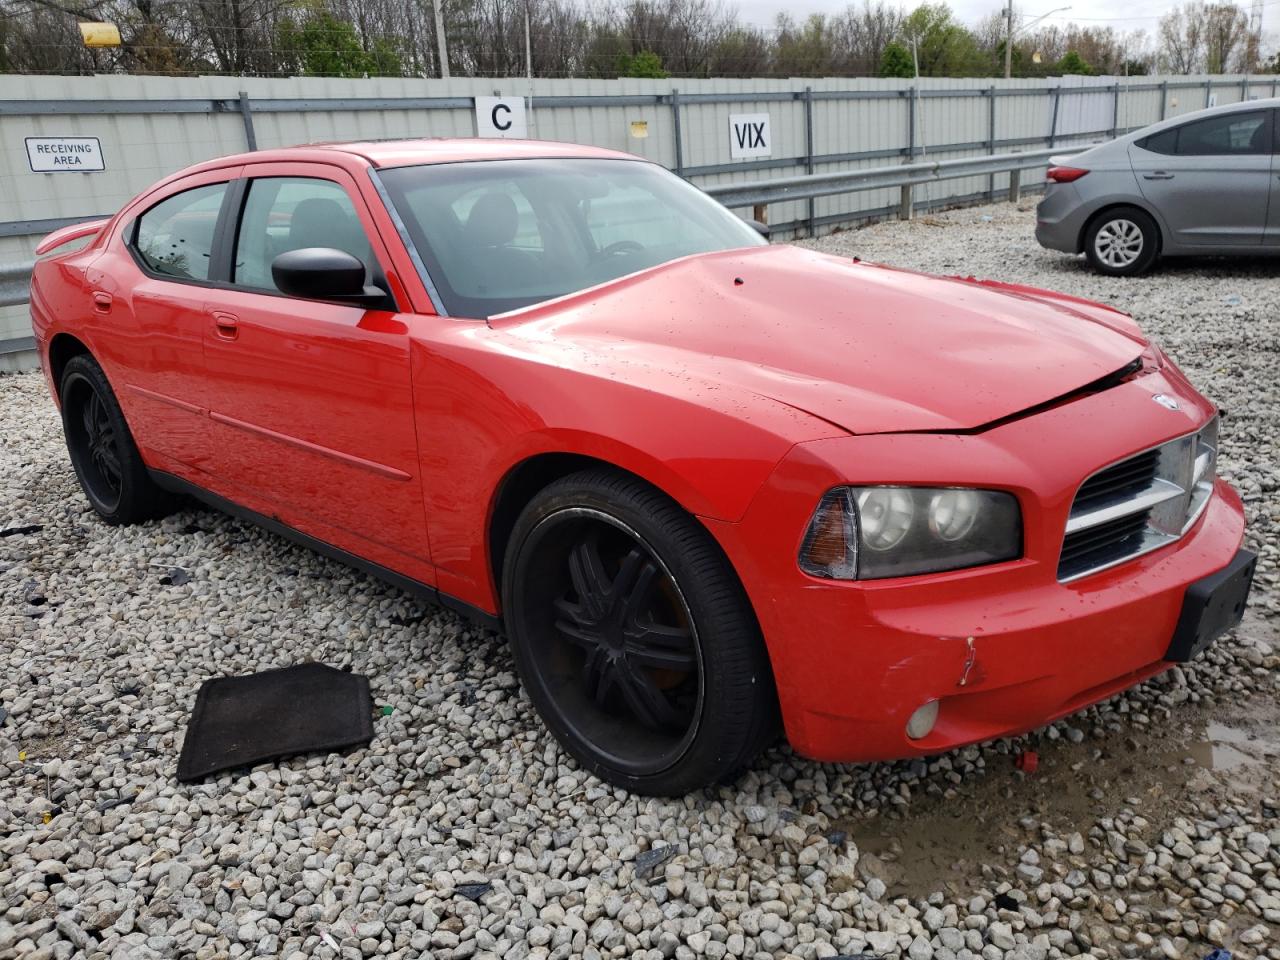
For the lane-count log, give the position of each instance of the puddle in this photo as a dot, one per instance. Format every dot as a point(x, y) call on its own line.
point(1225, 748)
point(938, 843)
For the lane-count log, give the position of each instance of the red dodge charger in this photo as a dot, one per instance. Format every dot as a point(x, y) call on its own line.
point(704, 484)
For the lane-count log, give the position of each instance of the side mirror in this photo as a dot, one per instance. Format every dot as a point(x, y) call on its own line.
point(760, 228)
point(323, 273)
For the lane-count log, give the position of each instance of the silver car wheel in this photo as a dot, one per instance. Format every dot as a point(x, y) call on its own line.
point(1118, 243)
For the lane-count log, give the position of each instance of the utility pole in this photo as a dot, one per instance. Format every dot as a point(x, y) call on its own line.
point(440, 40)
point(1008, 37)
point(1008, 40)
point(528, 57)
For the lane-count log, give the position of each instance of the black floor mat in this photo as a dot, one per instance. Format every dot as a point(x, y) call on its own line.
point(241, 721)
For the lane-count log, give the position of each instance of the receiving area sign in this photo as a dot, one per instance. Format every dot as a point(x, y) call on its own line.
point(64, 154)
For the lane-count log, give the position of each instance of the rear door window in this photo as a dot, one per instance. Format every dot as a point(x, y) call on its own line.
point(175, 237)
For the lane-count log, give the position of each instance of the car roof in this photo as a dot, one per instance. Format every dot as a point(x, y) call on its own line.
point(405, 153)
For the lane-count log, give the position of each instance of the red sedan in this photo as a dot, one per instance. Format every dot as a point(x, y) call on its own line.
point(703, 483)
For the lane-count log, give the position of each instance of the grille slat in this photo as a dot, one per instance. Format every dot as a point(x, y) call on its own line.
point(1111, 517)
point(1133, 474)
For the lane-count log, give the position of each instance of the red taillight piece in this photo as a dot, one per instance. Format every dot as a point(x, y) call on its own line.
point(1065, 174)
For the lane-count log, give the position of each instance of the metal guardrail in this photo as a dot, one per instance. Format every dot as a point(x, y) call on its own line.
point(906, 176)
point(15, 278)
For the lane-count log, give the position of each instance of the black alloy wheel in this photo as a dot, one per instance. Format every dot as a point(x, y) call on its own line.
point(633, 637)
point(106, 460)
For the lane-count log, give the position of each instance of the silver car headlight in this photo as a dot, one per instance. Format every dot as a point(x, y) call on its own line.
point(868, 533)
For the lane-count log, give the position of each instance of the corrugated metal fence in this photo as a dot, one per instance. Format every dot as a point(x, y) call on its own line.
point(148, 127)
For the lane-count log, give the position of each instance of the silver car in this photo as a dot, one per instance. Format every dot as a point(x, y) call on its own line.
point(1203, 183)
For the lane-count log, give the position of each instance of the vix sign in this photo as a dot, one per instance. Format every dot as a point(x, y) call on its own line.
point(749, 136)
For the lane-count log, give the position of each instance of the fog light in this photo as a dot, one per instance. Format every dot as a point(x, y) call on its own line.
point(922, 721)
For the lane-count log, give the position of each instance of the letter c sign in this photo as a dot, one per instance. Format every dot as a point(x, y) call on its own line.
point(500, 117)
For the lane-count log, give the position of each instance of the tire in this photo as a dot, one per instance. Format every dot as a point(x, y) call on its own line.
point(1122, 242)
point(633, 637)
point(106, 460)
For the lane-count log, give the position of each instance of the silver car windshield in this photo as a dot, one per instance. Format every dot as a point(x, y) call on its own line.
point(497, 235)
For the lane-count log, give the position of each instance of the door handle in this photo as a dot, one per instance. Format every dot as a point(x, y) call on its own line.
point(1158, 175)
point(101, 302)
point(226, 326)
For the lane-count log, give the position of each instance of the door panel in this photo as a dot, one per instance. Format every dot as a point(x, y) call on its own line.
point(1209, 179)
point(151, 305)
point(311, 403)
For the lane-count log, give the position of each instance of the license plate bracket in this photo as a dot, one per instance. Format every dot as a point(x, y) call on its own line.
point(1211, 607)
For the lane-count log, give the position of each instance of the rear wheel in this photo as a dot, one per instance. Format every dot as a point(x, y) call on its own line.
point(633, 637)
point(106, 460)
point(1122, 242)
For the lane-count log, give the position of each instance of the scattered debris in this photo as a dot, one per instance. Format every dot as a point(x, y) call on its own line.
point(176, 577)
point(21, 531)
point(1028, 761)
point(648, 861)
point(1003, 901)
point(473, 891)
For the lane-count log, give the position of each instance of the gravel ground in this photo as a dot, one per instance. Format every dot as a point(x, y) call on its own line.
point(1149, 830)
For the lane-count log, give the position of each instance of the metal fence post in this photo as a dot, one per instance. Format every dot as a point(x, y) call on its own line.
point(1015, 185)
point(991, 137)
point(1053, 123)
point(808, 146)
point(1164, 98)
point(906, 200)
point(246, 114)
point(1208, 92)
point(1115, 110)
point(675, 119)
point(1244, 88)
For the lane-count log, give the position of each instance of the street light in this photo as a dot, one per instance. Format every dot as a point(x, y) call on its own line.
point(1008, 43)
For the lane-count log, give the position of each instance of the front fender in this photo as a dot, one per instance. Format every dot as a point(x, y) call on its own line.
point(481, 412)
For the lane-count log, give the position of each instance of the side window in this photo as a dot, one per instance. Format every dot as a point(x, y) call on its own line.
point(1231, 134)
point(175, 237)
point(290, 213)
point(1166, 141)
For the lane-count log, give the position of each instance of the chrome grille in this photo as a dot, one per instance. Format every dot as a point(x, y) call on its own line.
point(1139, 504)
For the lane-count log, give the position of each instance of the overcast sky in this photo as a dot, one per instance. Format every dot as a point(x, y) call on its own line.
point(1131, 15)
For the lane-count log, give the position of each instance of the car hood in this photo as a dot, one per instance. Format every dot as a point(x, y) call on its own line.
point(867, 348)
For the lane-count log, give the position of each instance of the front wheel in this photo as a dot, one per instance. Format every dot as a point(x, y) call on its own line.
point(1122, 242)
point(633, 637)
point(106, 460)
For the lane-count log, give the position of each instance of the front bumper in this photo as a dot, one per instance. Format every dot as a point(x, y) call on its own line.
point(1003, 648)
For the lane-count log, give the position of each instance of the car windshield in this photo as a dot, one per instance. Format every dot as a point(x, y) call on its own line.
point(498, 235)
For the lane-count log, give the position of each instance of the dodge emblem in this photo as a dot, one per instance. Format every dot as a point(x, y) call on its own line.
point(1167, 402)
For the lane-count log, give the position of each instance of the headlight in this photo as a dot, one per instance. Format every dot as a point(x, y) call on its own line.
point(867, 533)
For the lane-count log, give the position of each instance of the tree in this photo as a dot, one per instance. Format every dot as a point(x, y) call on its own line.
point(1226, 34)
point(1073, 63)
point(805, 51)
point(646, 64)
point(945, 48)
point(896, 61)
point(1181, 35)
